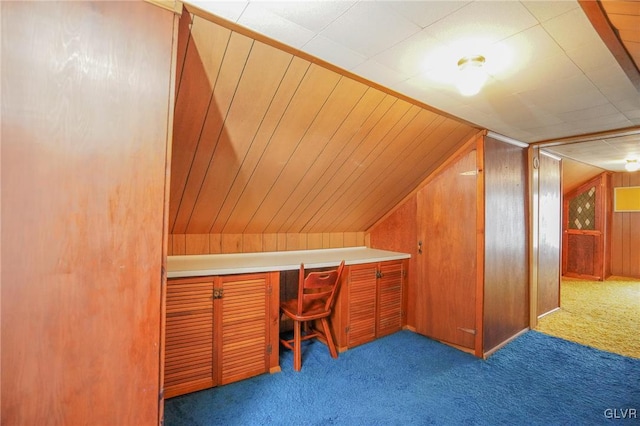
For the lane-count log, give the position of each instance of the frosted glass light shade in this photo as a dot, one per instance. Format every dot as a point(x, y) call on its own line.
point(471, 76)
point(632, 166)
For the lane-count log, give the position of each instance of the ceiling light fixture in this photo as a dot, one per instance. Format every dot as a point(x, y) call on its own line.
point(632, 165)
point(472, 76)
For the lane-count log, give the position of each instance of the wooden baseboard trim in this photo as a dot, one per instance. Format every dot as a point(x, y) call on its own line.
point(550, 312)
point(488, 353)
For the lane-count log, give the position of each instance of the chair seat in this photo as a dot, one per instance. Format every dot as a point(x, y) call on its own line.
point(316, 293)
point(314, 310)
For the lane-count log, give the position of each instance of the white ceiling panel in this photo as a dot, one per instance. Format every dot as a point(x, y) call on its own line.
point(549, 9)
point(370, 28)
point(264, 21)
point(479, 24)
point(572, 30)
point(409, 56)
point(312, 15)
point(334, 53)
point(550, 75)
point(229, 10)
point(375, 71)
point(423, 16)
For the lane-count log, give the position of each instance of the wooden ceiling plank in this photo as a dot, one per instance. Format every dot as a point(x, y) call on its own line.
point(360, 178)
point(457, 135)
point(258, 84)
point(461, 135)
point(360, 160)
point(630, 36)
point(184, 37)
point(373, 110)
point(625, 22)
point(231, 69)
point(326, 159)
point(192, 103)
point(305, 104)
point(325, 126)
point(411, 158)
point(379, 124)
point(597, 16)
point(393, 161)
point(377, 197)
point(621, 7)
point(276, 110)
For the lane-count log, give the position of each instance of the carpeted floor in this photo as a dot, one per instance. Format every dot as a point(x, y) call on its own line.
point(408, 379)
point(601, 314)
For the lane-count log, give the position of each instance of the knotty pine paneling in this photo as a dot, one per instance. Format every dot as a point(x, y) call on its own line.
point(625, 233)
point(271, 142)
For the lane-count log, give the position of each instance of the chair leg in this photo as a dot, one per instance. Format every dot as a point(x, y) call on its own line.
point(327, 333)
point(297, 348)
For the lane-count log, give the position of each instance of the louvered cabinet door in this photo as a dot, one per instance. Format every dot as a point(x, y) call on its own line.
point(361, 318)
point(390, 280)
point(243, 326)
point(189, 336)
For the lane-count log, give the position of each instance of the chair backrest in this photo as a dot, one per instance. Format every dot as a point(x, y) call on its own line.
point(318, 286)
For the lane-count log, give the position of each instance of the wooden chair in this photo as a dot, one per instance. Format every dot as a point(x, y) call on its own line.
point(316, 295)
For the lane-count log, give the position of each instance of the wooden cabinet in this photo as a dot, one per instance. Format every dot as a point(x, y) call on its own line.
point(219, 330)
point(370, 303)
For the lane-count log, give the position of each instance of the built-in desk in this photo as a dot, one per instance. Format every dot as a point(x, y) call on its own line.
point(244, 263)
point(222, 321)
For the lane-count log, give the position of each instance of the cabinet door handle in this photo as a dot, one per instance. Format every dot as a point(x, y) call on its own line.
point(218, 293)
point(420, 247)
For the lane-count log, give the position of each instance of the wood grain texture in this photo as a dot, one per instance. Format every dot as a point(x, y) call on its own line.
point(625, 233)
point(398, 232)
point(506, 273)
point(549, 235)
point(575, 174)
point(609, 18)
point(585, 253)
point(86, 95)
point(269, 141)
point(182, 244)
point(446, 287)
point(189, 363)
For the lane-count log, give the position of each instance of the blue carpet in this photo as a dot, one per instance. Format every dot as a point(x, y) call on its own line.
point(408, 379)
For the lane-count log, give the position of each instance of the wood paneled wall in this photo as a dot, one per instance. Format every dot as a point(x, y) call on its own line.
point(86, 110)
point(505, 308)
point(269, 141)
point(506, 271)
point(398, 232)
point(549, 236)
point(625, 233)
point(180, 244)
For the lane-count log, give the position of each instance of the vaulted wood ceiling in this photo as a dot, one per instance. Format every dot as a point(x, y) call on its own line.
point(270, 141)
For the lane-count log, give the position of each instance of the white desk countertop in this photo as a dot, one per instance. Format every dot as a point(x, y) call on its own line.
point(243, 263)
